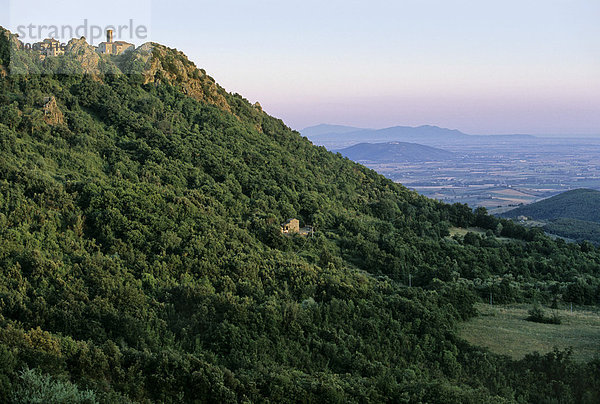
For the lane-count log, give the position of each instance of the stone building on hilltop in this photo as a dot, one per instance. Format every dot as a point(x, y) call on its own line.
point(114, 48)
point(49, 47)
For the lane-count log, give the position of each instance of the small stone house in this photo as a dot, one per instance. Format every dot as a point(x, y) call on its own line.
point(291, 226)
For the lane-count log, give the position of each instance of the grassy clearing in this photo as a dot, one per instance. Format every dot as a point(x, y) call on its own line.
point(504, 330)
point(462, 231)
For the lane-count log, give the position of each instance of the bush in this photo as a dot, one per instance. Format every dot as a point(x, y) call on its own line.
point(35, 387)
point(537, 315)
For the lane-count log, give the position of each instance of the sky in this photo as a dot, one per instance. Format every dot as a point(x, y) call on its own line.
point(481, 66)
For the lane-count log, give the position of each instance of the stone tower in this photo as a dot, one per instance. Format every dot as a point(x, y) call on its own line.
point(109, 35)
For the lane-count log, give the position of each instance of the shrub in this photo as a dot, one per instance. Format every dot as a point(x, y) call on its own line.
point(537, 315)
point(35, 387)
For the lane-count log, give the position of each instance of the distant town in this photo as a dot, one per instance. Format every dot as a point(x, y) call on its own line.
point(51, 47)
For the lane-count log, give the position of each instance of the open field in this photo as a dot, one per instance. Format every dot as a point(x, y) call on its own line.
point(504, 330)
point(462, 231)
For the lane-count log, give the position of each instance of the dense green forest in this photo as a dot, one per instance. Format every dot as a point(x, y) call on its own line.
point(141, 257)
point(572, 214)
point(578, 230)
point(580, 204)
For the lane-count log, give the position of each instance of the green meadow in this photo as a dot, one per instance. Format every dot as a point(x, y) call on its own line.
point(504, 330)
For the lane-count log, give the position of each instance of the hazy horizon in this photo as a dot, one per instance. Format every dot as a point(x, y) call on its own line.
point(550, 135)
point(482, 67)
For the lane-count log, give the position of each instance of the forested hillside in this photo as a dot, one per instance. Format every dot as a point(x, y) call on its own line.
point(580, 204)
point(141, 256)
point(572, 214)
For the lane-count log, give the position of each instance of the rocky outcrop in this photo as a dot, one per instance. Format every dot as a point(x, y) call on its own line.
point(8, 43)
point(85, 54)
point(157, 63)
point(52, 113)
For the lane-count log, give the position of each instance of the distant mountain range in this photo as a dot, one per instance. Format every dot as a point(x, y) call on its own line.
point(395, 152)
point(572, 214)
point(337, 136)
point(325, 129)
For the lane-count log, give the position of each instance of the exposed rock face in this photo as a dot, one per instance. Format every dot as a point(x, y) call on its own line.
point(85, 55)
point(8, 43)
point(163, 64)
point(156, 63)
point(52, 114)
point(14, 41)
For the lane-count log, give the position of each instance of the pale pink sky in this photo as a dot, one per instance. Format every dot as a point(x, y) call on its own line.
point(493, 66)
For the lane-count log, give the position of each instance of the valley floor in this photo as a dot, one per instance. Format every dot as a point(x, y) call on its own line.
point(502, 176)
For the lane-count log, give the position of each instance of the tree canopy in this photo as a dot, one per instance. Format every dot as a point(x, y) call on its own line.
point(141, 258)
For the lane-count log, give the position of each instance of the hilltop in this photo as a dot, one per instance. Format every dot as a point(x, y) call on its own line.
point(326, 129)
point(336, 137)
point(572, 214)
point(394, 152)
point(142, 257)
point(580, 204)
